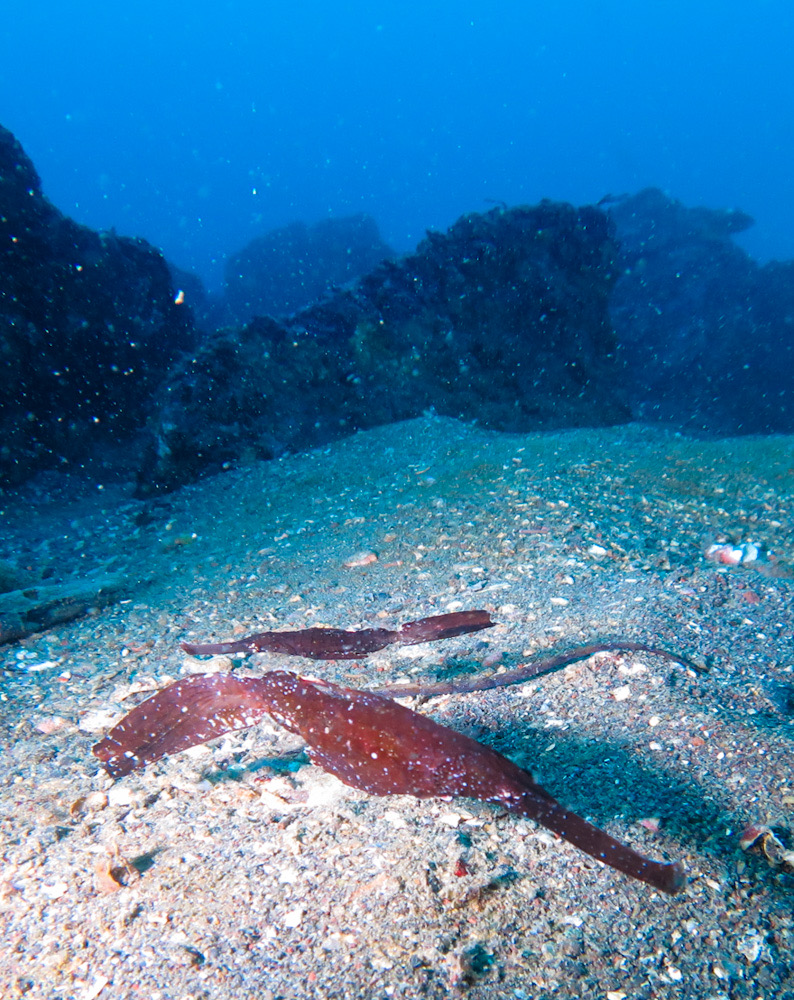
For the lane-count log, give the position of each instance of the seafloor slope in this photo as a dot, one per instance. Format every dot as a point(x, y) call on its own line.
point(232, 871)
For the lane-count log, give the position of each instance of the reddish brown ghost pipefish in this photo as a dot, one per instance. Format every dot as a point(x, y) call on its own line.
point(368, 741)
point(348, 644)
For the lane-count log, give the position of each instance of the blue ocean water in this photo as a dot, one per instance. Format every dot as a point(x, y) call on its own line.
point(201, 125)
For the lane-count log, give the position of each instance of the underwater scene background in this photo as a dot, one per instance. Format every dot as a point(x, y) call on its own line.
point(441, 351)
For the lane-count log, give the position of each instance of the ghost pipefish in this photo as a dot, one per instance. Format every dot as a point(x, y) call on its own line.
point(369, 742)
point(348, 644)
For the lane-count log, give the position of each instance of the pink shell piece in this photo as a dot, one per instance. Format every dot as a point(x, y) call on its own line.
point(730, 555)
point(751, 835)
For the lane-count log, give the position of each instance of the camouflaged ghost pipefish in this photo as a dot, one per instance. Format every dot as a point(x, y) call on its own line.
point(368, 741)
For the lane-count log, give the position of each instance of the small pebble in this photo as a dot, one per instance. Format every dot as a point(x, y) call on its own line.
point(750, 947)
point(293, 917)
point(120, 795)
point(55, 891)
point(98, 721)
point(214, 665)
point(51, 724)
point(96, 986)
point(360, 559)
point(95, 801)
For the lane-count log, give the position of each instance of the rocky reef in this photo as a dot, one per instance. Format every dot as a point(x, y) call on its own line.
point(88, 328)
point(288, 269)
point(525, 318)
point(503, 319)
point(704, 330)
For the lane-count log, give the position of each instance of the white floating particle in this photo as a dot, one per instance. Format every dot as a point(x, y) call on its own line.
point(621, 693)
point(596, 550)
point(560, 601)
point(654, 721)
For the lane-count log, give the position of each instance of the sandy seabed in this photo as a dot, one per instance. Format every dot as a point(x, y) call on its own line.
point(237, 871)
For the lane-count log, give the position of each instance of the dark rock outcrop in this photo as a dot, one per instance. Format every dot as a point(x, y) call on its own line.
point(706, 333)
point(289, 268)
point(527, 318)
point(503, 320)
point(88, 328)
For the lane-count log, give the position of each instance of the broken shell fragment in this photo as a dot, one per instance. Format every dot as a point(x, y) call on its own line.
point(360, 559)
point(51, 724)
point(751, 835)
point(776, 853)
point(652, 823)
point(733, 555)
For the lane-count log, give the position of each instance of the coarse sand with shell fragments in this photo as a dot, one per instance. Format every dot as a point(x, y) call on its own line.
point(238, 871)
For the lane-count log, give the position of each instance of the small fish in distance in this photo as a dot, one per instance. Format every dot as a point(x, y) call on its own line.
point(344, 644)
point(368, 741)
